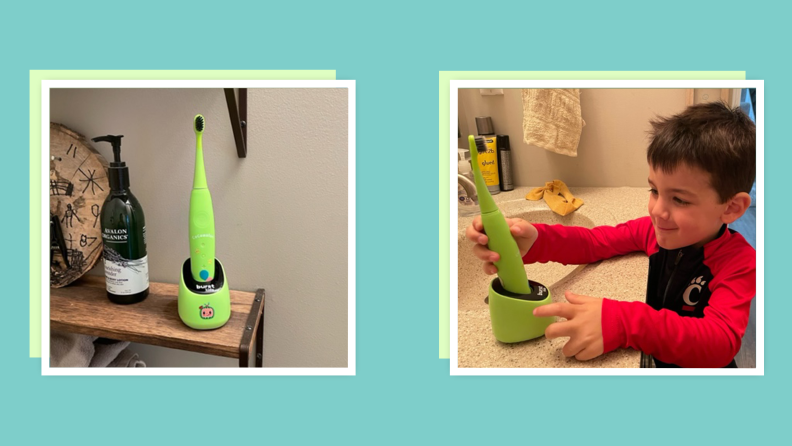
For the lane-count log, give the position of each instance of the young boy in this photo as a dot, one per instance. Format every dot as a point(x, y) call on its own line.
point(702, 275)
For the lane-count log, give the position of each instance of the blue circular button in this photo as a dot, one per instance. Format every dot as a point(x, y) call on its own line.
point(204, 274)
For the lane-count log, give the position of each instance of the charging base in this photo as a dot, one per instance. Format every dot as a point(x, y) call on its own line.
point(512, 314)
point(204, 305)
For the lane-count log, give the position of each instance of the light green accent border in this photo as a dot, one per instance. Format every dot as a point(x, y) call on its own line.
point(36, 76)
point(445, 117)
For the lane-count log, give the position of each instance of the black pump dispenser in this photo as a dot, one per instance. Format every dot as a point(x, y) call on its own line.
point(123, 234)
point(118, 171)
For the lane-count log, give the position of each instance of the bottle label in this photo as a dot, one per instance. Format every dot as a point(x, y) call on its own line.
point(123, 276)
point(488, 162)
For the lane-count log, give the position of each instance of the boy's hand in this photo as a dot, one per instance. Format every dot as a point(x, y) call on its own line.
point(523, 232)
point(583, 325)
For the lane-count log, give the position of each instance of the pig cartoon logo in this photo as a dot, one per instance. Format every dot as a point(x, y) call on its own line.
point(207, 312)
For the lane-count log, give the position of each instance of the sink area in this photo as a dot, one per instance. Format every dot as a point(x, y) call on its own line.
point(619, 278)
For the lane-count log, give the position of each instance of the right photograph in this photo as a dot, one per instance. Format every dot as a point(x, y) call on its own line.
point(610, 226)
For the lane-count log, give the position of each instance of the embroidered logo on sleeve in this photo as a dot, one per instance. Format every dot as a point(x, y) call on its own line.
point(695, 284)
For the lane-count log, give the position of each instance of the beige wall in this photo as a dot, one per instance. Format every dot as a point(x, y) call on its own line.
point(280, 213)
point(612, 150)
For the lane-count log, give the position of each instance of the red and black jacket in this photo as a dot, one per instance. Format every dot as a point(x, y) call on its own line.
point(698, 300)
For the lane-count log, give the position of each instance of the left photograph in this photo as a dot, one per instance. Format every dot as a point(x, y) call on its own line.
point(197, 226)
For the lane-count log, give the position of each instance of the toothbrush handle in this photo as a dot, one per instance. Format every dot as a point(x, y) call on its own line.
point(202, 236)
point(511, 270)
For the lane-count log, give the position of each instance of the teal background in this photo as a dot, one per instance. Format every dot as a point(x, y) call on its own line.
point(402, 393)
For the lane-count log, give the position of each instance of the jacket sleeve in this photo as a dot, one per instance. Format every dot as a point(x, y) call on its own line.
point(577, 245)
point(710, 341)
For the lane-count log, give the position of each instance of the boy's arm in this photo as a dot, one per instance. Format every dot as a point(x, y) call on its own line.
point(711, 341)
point(578, 245)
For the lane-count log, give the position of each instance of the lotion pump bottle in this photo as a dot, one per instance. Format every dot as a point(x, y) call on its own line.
point(123, 234)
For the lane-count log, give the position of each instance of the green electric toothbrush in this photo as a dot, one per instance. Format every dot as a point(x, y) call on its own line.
point(510, 266)
point(512, 297)
point(202, 230)
point(204, 299)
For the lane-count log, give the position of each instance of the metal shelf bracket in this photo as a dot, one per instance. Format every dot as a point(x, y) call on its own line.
point(238, 115)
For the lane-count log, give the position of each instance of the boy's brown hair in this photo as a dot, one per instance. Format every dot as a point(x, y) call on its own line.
point(713, 137)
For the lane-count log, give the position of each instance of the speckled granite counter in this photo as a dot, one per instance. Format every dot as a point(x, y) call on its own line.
point(620, 278)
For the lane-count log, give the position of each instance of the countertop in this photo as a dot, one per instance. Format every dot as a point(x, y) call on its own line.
point(620, 278)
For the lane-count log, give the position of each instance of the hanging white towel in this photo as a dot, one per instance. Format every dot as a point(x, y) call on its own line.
point(552, 119)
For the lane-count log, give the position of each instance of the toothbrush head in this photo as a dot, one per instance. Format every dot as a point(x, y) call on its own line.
point(481, 145)
point(199, 124)
point(477, 146)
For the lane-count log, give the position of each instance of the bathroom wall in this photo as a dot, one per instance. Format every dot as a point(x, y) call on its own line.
point(612, 150)
point(281, 214)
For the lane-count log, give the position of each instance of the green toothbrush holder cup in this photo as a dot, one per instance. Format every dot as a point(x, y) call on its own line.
point(204, 305)
point(512, 314)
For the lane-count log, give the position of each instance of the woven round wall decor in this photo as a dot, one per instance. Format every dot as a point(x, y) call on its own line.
point(78, 186)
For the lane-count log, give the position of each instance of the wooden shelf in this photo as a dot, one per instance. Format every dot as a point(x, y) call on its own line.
point(83, 308)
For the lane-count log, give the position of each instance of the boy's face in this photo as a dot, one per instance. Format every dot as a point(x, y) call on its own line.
point(684, 208)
